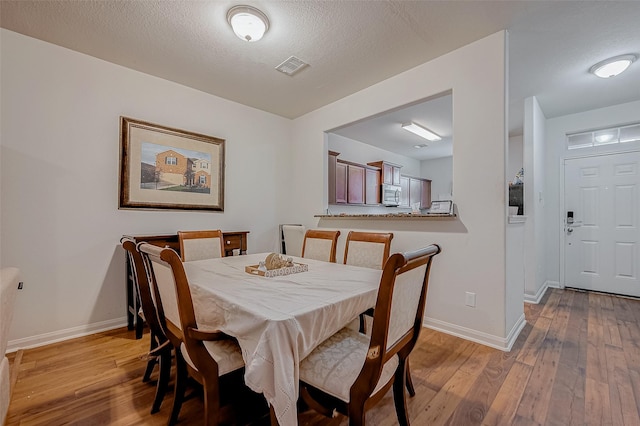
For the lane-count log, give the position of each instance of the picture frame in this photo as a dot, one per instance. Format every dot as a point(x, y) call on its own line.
point(441, 207)
point(162, 168)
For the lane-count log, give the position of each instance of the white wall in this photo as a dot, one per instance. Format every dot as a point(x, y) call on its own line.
point(440, 171)
point(60, 151)
point(534, 198)
point(473, 257)
point(556, 130)
point(516, 157)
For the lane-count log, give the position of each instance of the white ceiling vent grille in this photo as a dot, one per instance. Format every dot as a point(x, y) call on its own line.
point(291, 65)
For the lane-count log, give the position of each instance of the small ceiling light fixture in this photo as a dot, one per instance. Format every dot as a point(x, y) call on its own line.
point(422, 145)
point(612, 66)
point(421, 131)
point(247, 22)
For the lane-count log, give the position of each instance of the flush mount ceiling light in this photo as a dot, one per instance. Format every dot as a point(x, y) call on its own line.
point(421, 131)
point(422, 145)
point(247, 22)
point(612, 66)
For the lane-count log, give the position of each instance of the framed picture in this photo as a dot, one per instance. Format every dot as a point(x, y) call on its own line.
point(169, 169)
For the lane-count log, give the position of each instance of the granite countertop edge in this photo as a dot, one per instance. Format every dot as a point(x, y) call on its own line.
point(386, 216)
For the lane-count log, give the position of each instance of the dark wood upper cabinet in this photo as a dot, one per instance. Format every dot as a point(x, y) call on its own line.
point(390, 172)
point(415, 190)
point(355, 184)
point(341, 183)
point(372, 186)
point(404, 194)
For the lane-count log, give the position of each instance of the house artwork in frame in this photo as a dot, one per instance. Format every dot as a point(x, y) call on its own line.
point(166, 168)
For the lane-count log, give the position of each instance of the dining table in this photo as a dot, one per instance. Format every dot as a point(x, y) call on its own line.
point(278, 320)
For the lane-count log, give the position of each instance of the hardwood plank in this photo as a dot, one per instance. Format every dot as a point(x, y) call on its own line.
point(529, 353)
point(505, 405)
point(596, 358)
point(444, 402)
point(549, 310)
point(597, 406)
point(624, 410)
point(566, 405)
point(610, 324)
point(477, 403)
point(535, 401)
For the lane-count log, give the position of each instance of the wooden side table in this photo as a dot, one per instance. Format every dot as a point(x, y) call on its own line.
point(233, 240)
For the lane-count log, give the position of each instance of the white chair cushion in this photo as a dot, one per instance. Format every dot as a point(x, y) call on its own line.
point(201, 248)
point(318, 249)
point(335, 364)
point(293, 239)
point(225, 352)
point(366, 254)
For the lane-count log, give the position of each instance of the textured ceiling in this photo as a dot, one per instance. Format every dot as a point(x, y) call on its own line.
point(349, 45)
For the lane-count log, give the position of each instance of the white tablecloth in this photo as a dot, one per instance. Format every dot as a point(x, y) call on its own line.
point(278, 321)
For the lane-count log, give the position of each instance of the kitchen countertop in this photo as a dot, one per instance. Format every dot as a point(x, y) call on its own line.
point(387, 216)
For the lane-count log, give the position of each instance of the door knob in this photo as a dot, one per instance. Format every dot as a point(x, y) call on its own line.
point(569, 230)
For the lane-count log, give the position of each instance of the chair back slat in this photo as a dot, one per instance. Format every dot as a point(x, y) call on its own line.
point(404, 303)
point(199, 245)
point(320, 244)
point(400, 305)
point(166, 289)
point(367, 249)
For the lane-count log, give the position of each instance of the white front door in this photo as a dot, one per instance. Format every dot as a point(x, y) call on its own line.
point(601, 246)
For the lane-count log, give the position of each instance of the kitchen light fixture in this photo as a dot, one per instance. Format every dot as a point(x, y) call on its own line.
point(247, 22)
point(421, 131)
point(612, 66)
point(422, 145)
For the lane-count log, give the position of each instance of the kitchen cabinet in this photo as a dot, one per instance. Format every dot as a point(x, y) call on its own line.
point(340, 187)
point(390, 172)
point(372, 186)
point(404, 194)
point(415, 190)
point(355, 184)
point(352, 183)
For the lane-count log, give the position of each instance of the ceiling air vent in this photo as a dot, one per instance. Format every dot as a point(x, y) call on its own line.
point(291, 65)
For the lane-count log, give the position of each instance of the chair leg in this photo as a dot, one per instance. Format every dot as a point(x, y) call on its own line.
point(356, 413)
point(163, 379)
point(211, 402)
point(410, 388)
point(152, 360)
point(398, 393)
point(179, 387)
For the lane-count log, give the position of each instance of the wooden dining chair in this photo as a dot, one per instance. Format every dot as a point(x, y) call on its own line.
point(160, 347)
point(204, 355)
point(199, 245)
point(320, 244)
point(350, 371)
point(370, 250)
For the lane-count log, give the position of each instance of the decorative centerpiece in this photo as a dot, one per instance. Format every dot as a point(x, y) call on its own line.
point(276, 265)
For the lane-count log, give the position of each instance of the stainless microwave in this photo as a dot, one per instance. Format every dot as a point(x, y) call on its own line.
point(391, 195)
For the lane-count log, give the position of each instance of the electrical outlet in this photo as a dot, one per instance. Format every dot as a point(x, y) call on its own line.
point(470, 299)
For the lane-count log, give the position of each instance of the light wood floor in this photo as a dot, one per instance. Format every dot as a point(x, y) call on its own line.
point(576, 362)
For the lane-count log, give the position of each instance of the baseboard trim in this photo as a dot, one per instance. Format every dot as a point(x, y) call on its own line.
point(66, 334)
point(535, 299)
point(501, 343)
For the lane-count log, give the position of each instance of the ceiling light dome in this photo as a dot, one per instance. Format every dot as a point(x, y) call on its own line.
point(612, 66)
point(247, 22)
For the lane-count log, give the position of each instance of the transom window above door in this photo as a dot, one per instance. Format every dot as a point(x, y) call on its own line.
point(613, 135)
